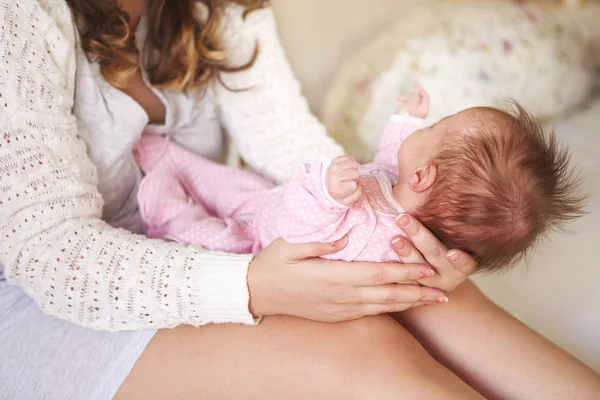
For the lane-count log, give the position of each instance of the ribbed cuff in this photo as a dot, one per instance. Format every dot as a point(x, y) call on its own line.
point(221, 289)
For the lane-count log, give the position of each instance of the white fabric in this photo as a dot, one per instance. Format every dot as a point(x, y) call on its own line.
point(45, 358)
point(466, 54)
point(54, 244)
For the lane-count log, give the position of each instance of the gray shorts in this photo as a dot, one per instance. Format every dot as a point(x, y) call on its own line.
point(44, 358)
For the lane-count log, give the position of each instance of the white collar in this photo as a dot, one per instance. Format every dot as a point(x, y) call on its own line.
point(386, 188)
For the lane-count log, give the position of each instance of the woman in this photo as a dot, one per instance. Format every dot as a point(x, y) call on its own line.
point(80, 80)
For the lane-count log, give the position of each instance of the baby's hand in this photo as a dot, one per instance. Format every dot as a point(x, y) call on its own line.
point(415, 104)
point(342, 180)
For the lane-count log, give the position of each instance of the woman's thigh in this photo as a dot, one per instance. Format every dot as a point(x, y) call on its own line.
point(495, 353)
point(285, 357)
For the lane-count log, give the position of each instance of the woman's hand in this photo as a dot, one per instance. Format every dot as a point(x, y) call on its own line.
point(453, 267)
point(289, 279)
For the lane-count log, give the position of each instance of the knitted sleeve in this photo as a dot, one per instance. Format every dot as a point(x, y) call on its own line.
point(53, 243)
point(266, 114)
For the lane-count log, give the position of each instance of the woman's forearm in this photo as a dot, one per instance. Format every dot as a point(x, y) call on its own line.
point(93, 275)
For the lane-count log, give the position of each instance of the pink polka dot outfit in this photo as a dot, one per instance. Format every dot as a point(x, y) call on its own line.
point(192, 200)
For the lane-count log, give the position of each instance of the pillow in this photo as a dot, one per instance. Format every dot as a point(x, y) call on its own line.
point(465, 54)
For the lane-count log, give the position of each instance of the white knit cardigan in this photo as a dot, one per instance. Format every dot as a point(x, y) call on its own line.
point(54, 243)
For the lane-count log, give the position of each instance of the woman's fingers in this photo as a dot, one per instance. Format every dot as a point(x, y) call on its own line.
point(453, 266)
point(372, 274)
point(394, 294)
point(291, 279)
point(423, 240)
point(406, 252)
point(303, 251)
point(377, 309)
point(462, 261)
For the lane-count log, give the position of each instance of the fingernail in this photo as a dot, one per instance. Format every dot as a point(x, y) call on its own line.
point(400, 244)
point(453, 256)
point(441, 300)
point(403, 220)
point(426, 273)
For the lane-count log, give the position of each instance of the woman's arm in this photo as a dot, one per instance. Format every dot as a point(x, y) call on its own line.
point(269, 120)
point(53, 242)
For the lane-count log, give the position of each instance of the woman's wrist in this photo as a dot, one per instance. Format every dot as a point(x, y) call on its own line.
point(256, 303)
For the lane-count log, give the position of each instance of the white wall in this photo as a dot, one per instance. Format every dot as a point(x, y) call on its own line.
point(558, 295)
point(320, 34)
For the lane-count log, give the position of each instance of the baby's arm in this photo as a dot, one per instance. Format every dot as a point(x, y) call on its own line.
point(317, 201)
point(407, 119)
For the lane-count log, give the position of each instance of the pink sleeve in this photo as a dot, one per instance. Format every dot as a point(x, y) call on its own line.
point(308, 213)
point(398, 128)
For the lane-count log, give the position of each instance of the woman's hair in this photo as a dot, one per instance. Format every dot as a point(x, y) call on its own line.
point(186, 51)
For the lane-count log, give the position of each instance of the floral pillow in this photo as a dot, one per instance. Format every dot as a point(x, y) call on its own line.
point(465, 54)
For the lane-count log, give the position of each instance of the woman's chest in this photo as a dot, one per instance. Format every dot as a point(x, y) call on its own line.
point(111, 121)
point(149, 101)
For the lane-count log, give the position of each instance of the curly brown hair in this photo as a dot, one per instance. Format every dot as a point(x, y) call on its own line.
point(186, 52)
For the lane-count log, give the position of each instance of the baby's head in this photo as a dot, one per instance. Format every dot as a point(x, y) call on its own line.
point(488, 182)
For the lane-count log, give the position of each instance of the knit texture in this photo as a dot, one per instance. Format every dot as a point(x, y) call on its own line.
point(53, 241)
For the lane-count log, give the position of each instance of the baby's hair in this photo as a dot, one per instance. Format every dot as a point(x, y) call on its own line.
point(502, 186)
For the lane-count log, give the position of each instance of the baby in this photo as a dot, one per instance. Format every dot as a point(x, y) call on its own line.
point(482, 180)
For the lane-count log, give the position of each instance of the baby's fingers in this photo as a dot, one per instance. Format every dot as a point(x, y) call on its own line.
point(421, 91)
point(348, 175)
point(343, 161)
point(423, 95)
point(352, 198)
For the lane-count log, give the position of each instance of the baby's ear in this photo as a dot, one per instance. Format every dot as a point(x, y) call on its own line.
point(423, 177)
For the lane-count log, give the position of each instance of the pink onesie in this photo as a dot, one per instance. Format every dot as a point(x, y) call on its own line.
point(189, 199)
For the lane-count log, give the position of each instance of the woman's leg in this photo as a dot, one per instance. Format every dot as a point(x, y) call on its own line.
point(495, 353)
point(290, 358)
